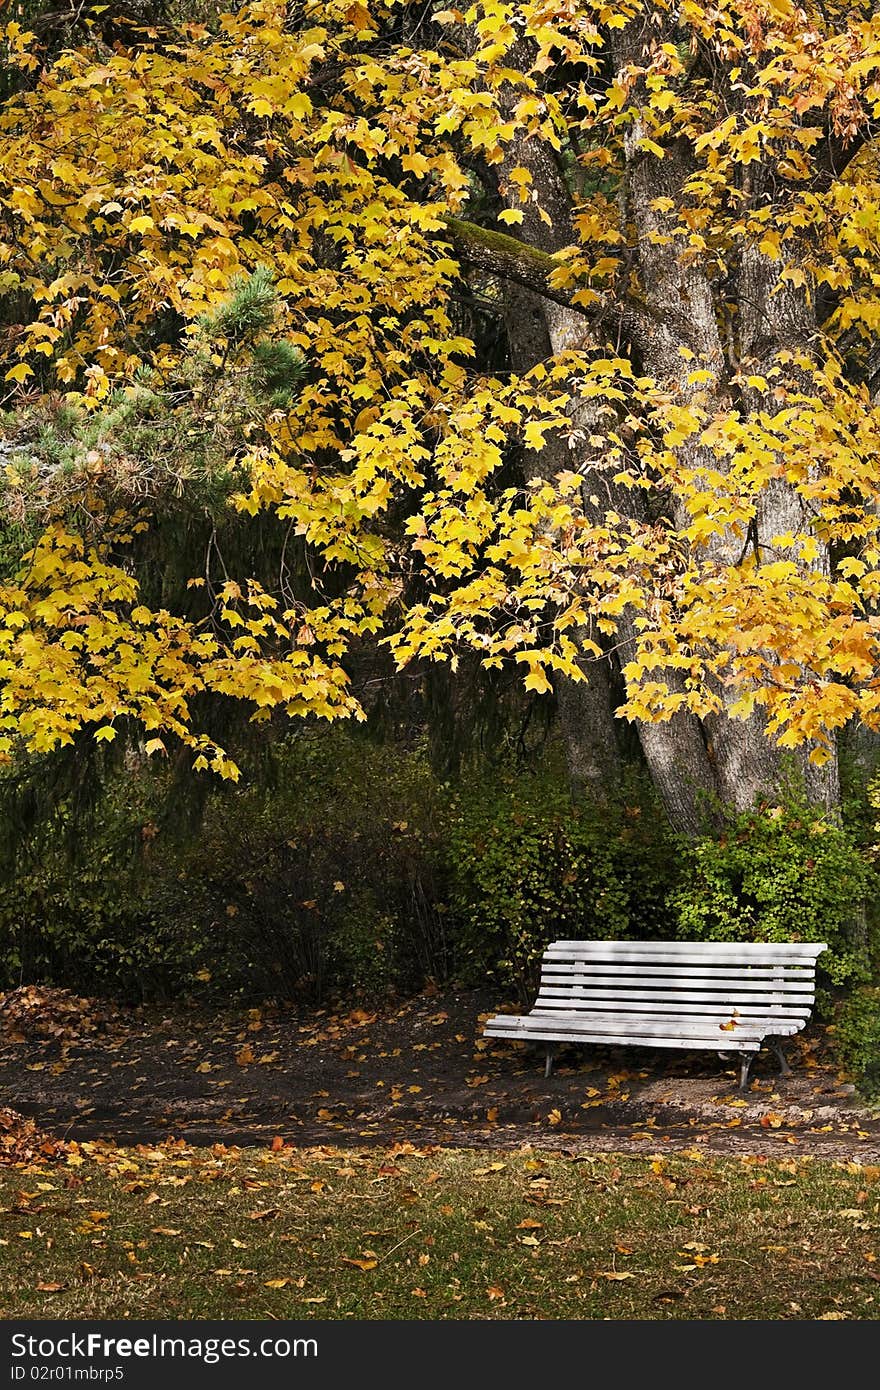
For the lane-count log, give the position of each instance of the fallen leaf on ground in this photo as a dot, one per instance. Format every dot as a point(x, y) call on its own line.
point(771, 1120)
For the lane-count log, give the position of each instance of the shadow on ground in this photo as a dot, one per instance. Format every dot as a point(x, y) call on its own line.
point(420, 1072)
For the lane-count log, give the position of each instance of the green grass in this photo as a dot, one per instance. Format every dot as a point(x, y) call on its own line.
point(429, 1234)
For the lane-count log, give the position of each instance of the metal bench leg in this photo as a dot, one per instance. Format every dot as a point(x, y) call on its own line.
point(784, 1068)
point(744, 1068)
point(548, 1065)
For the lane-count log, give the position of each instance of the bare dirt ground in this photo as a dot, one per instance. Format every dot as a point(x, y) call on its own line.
point(419, 1071)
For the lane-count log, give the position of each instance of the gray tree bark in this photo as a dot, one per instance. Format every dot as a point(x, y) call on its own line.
point(694, 763)
point(677, 753)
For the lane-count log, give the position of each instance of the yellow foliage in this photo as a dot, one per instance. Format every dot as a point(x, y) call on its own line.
point(137, 184)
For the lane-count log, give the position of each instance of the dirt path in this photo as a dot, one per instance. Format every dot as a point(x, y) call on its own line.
point(420, 1072)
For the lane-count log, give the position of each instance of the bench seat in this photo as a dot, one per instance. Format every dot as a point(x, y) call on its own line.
point(721, 996)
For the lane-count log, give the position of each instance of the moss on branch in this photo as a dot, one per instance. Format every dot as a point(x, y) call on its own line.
point(507, 257)
point(511, 259)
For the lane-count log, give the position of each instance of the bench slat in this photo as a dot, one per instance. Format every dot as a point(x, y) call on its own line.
point(757, 988)
point(721, 1042)
point(672, 1008)
point(649, 970)
point(643, 1025)
point(584, 994)
point(739, 950)
point(636, 957)
point(626, 1039)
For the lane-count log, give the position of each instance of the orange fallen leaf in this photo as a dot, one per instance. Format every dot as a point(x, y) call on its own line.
point(771, 1120)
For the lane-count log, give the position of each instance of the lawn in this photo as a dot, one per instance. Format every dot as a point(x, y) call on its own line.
point(408, 1233)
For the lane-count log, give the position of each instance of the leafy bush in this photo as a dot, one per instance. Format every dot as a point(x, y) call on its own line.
point(328, 885)
point(322, 883)
point(94, 933)
point(857, 1035)
point(348, 869)
point(83, 907)
point(528, 866)
point(781, 873)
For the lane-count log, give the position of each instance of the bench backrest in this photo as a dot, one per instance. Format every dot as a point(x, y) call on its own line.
point(749, 980)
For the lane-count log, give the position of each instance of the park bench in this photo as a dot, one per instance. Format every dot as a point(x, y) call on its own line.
point(716, 995)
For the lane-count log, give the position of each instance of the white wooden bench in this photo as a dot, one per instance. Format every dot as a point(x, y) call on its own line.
point(715, 995)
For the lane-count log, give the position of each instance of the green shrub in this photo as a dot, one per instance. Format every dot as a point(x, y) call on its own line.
point(324, 883)
point(781, 873)
point(106, 917)
point(95, 933)
point(528, 866)
point(354, 872)
point(857, 1035)
point(332, 876)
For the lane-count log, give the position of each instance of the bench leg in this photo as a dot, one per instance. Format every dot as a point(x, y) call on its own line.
point(784, 1068)
point(548, 1063)
point(744, 1068)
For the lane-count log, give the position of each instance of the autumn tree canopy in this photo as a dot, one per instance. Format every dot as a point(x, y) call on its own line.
point(241, 265)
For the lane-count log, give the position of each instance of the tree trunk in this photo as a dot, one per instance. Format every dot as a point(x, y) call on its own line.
point(695, 764)
point(536, 329)
point(775, 317)
point(684, 337)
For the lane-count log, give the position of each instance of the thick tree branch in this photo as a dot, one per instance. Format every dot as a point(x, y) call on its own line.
point(834, 157)
point(509, 259)
point(525, 265)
